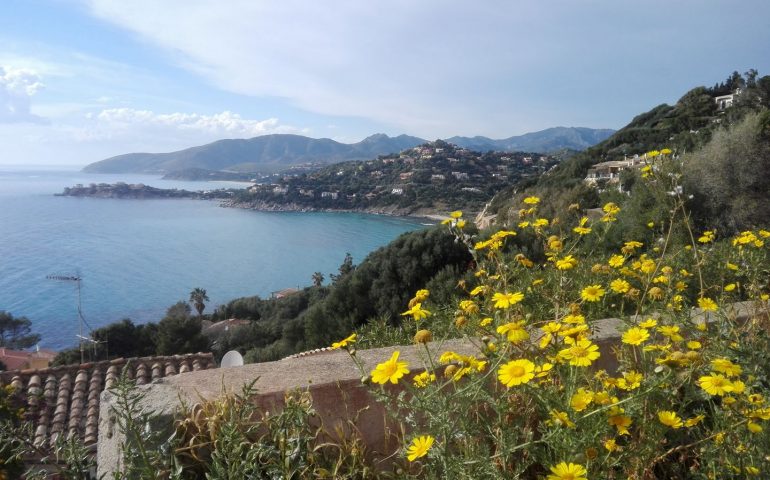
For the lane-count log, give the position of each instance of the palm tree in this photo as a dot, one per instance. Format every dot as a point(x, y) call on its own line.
point(197, 297)
point(318, 279)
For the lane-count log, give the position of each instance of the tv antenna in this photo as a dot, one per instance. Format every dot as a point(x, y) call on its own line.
point(77, 279)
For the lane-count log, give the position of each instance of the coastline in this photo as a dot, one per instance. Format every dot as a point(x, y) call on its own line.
point(422, 213)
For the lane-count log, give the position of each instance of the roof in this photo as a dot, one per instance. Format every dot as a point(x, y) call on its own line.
point(223, 326)
point(64, 400)
point(18, 359)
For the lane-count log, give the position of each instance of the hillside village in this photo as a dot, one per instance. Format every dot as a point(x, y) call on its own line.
point(431, 177)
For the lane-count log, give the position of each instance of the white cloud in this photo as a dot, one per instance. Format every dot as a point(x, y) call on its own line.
point(17, 87)
point(408, 64)
point(115, 121)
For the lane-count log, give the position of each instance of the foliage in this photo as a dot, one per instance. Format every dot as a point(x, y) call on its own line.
point(425, 178)
point(68, 457)
point(15, 333)
point(376, 288)
point(687, 378)
point(730, 176)
point(178, 332)
point(197, 297)
point(684, 127)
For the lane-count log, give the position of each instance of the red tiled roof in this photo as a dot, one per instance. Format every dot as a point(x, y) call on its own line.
point(17, 359)
point(65, 400)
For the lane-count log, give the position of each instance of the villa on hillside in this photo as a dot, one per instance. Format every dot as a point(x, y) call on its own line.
point(610, 171)
point(726, 101)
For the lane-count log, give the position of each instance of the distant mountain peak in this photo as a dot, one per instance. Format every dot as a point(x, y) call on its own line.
point(281, 150)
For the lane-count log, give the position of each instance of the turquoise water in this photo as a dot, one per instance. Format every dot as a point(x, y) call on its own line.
point(137, 257)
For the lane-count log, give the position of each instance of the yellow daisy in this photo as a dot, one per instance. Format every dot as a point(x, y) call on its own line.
point(568, 471)
point(516, 372)
point(390, 370)
point(419, 447)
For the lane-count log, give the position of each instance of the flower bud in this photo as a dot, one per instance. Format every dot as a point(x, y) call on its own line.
point(423, 336)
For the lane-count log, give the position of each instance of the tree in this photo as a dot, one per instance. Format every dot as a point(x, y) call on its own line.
point(345, 268)
point(179, 333)
point(318, 279)
point(16, 333)
point(197, 297)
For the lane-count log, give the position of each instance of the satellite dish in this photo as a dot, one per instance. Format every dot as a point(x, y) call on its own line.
point(232, 359)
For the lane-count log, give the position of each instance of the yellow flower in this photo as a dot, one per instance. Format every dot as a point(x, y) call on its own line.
point(532, 200)
point(691, 422)
point(505, 300)
point(670, 419)
point(616, 261)
point(423, 379)
point(611, 209)
point(524, 261)
point(514, 331)
point(672, 332)
point(581, 354)
point(619, 421)
point(694, 345)
point(707, 304)
point(540, 222)
point(576, 319)
point(754, 427)
point(611, 445)
point(581, 229)
point(724, 365)
point(469, 306)
point(419, 447)
point(417, 312)
point(421, 295)
point(481, 289)
point(486, 321)
point(390, 370)
point(649, 323)
point(568, 471)
point(715, 384)
point(647, 265)
point(566, 263)
point(581, 400)
point(592, 293)
point(707, 237)
point(630, 246)
point(620, 286)
point(456, 214)
point(631, 380)
point(561, 419)
point(656, 293)
point(516, 372)
point(730, 287)
point(635, 336)
point(344, 342)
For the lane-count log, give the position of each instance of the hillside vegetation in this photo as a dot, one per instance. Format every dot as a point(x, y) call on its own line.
point(684, 128)
point(435, 177)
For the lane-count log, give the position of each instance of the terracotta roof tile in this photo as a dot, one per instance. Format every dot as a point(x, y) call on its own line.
point(65, 400)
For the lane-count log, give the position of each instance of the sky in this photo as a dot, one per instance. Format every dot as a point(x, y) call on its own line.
point(83, 80)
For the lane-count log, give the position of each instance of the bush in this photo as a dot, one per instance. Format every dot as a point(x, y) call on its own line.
point(687, 380)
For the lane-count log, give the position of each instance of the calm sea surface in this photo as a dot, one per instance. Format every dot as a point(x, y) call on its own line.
point(137, 257)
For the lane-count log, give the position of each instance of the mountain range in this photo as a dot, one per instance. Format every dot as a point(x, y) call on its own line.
point(271, 152)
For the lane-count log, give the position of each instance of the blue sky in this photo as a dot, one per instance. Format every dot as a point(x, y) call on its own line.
point(82, 80)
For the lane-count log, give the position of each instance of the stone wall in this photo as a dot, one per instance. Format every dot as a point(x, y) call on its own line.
point(332, 379)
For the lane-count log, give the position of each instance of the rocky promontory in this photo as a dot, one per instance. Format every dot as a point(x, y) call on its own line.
point(140, 191)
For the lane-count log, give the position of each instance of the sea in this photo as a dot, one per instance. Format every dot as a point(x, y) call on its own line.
point(135, 258)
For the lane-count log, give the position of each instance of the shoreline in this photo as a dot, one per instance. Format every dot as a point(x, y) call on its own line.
point(422, 214)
